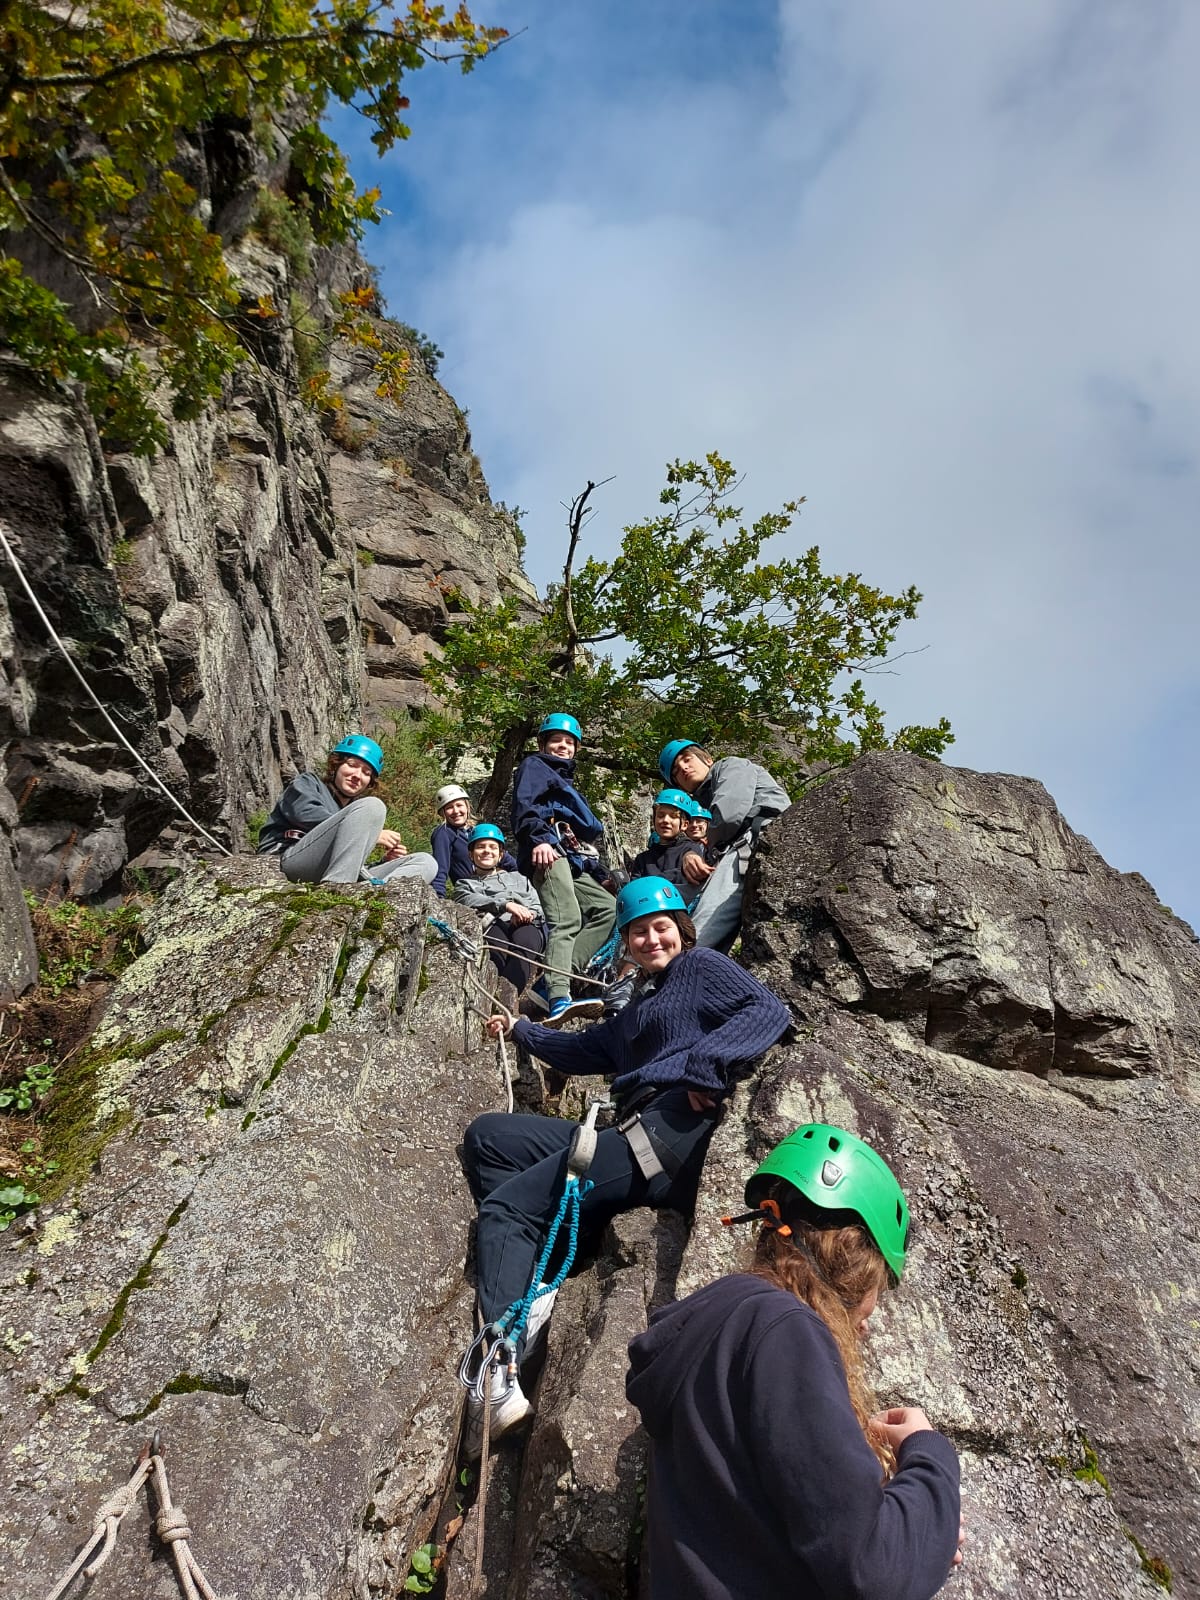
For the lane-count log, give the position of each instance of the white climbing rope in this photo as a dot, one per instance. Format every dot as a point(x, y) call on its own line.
point(87, 689)
point(171, 1525)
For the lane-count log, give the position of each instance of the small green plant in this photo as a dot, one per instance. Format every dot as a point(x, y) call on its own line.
point(411, 779)
point(516, 515)
point(74, 940)
point(423, 1569)
point(284, 226)
point(1091, 1471)
point(15, 1198)
point(35, 1084)
point(122, 552)
point(366, 558)
point(254, 826)
point(428, 352)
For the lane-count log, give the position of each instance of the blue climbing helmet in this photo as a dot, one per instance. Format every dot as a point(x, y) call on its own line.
point(357, 744)
point(835, 1176)
point(701, 811)
point(560, 722)
point(644, 896)
point(666, 756)
point(485, 830)
point(677, 798)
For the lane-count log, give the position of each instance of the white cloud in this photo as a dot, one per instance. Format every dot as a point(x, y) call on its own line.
point(931, 266)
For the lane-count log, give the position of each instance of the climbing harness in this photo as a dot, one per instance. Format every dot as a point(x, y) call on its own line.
point(484, 1358)
point(171, 1525)
point(88, 690)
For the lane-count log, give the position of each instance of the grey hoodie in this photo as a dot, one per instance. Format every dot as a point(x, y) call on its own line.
point(493, 893)
point(739, 793)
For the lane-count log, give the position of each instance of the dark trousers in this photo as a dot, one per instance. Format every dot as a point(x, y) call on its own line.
point(509, 943)
point(517, 1168)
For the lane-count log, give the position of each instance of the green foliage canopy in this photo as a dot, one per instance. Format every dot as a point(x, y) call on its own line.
point(712, 642)
point(93, 99)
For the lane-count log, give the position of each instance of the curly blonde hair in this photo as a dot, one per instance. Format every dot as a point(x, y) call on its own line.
point(832, 1270)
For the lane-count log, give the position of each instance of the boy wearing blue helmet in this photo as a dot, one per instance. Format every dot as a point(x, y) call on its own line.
point(674, 1053)
point(664, 858)
point(556, 833)
point(323, 829)
point(516, 928)
point(743, 798)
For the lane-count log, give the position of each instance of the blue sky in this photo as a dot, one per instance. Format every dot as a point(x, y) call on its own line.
point(930, 266)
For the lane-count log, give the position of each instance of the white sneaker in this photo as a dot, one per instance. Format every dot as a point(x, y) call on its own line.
point(510, 1407)
point(539, 1319)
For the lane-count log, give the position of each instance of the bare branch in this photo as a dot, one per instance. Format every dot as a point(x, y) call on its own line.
point(575, 520)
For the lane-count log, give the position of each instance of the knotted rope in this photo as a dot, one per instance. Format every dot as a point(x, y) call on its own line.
point(171, 1525)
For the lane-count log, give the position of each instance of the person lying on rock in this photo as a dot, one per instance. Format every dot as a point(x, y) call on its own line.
point(323, 829)
point(517, 929)
point(556, 831)
point(662, 858)
point(771, 1472)
point(696, 1020)
point(742, 798)
point(450, 840)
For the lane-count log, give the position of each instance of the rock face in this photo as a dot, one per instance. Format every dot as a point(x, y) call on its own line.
point(268, 581)
point(261, 1247)
point(410, 492)
point(207, 595)
point(264, 1256)
point(18, 955)
point(962, 905)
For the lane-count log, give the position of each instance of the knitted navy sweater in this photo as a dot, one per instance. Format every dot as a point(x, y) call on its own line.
point(703, 1018)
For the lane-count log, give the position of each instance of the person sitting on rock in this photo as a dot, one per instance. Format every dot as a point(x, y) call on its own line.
point(450, 840)
point(664, 857)
point(742, 798)
point(673, 1055)
point(324, 828)
point(517, 929)
point(769, 1474)
point(556, 831)
point(697, 828)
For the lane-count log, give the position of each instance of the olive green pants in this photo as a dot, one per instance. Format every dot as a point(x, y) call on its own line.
point(580, 915)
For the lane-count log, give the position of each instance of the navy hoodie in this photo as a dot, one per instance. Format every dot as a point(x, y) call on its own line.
point(544, 793)
point(761, 1483)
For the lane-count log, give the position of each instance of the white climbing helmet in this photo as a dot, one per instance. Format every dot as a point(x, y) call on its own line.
point(447, 793)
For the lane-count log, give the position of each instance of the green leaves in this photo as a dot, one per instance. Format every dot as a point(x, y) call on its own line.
point(714, 637)
point(92, 106)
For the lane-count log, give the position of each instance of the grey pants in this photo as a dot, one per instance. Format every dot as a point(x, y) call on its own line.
point(580, 916)
point(335, 850)
point(717, 914)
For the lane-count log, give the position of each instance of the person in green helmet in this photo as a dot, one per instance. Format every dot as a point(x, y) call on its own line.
point(771, 1470)
point(323, 828)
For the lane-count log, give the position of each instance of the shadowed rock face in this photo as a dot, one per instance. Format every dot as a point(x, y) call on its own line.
point(266, 1260)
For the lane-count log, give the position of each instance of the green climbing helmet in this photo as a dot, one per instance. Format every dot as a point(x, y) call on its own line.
point(836, 1171)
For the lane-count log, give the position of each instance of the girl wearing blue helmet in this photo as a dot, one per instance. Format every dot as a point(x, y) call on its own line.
point(696, 1020)
point(324, 828)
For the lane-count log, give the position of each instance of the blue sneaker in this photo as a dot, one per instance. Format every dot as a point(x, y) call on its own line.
point(564, 1010)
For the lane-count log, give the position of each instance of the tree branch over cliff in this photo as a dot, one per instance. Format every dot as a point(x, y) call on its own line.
point(96, 111)
point(719, 640)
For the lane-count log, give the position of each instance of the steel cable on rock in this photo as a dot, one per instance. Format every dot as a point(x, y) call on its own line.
point(94, 698)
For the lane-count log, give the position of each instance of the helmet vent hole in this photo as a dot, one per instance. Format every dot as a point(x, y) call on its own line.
point(835, 1145)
